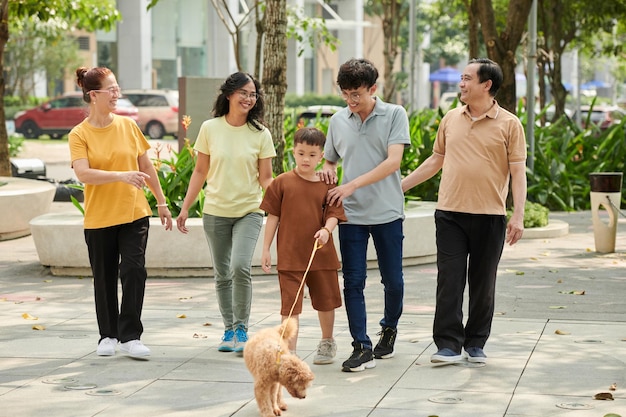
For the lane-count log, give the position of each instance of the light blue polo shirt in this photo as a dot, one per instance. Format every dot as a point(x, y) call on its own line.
point(362, 146)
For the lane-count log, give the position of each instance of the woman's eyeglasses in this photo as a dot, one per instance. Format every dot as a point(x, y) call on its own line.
point(111, 90)
point(244, 94)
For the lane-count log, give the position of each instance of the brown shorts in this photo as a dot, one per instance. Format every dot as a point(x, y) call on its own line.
point(323, 290)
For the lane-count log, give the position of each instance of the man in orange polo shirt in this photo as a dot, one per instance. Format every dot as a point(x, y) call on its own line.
point(480, 147)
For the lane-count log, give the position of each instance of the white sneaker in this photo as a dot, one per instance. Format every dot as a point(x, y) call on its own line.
point(106, 347)
point(135, 348)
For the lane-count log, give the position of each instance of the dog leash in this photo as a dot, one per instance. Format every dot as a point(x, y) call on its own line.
point(316, 246)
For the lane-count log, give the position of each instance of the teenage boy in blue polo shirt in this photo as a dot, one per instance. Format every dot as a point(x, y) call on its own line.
point(369, 136)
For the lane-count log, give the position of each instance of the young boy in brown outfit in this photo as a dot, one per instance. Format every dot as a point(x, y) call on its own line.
point(296, 205)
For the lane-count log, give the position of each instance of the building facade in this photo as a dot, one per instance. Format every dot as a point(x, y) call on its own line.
point(187, 38)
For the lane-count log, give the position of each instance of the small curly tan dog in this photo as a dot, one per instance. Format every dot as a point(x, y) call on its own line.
point(268, 359)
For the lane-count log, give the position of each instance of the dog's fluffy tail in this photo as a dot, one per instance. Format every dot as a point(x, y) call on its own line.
point(288, 328)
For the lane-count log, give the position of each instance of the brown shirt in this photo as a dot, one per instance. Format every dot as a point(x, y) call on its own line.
point(301, 208)
point(477, 153)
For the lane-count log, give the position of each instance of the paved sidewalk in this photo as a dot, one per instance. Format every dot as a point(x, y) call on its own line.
point(532, 370)
point(558, 339)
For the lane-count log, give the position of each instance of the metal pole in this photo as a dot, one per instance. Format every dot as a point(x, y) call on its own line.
point(530, 84)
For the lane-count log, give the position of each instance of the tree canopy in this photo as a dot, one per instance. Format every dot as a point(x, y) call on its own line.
point(79, 14)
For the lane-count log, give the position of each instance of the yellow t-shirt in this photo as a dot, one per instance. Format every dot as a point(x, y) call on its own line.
point(112, 148)
point(233, 188)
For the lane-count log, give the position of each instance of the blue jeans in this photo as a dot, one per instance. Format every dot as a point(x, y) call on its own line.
point(232, 241)
point(353, 240)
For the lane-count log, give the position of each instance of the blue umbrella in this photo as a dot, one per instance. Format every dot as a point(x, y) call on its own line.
point(593, 84)
point(445, 75)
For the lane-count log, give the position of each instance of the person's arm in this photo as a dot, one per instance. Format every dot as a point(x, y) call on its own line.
point(323, 235)
point(87, 175)
point(271, 225)
point(425, 171)
point(195, 185)
point(146, 166)
point(515, 226)
point(390, 165)
point(265, 172)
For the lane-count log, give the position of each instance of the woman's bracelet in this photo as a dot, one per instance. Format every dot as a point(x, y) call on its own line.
point(162, 205)
point(325, 228)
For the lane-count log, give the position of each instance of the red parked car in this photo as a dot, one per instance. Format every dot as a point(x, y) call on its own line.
point(59, 115)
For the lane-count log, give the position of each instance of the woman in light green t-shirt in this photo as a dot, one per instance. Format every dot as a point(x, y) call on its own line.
point(235, 152)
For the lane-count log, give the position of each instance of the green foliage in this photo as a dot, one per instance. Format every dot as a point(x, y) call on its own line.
point(309, 31)
point(306, 100)
point(423, 131)
point(535, 215)
point(174, 176)
point(564, 157)
point(85, 14)
point(15, 145)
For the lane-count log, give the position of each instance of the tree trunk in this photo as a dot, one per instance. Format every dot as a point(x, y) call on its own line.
point(394, 13)
point(501, 46)
point(472, 24)
point(275, 75)
point(5, 163)
point(259, 22)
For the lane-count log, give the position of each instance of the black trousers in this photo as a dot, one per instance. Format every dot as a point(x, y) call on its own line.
point(119, 251)
point(469, 247)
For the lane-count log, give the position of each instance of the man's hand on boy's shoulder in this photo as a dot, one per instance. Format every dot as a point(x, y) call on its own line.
point(328, 176)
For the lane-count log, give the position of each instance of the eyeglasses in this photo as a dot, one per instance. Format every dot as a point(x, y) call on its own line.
point(352, 96)
point(111, 90)
point(244, 94)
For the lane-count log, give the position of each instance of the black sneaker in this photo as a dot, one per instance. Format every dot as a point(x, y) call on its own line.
point(384, 348)
point(360, 360)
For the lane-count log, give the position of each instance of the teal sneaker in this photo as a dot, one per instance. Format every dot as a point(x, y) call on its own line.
point(228, 342)
point(241, 337)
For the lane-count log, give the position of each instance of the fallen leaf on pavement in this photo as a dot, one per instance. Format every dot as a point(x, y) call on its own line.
point(519, 272)
point(573, 292)
point(561, 332)
point(27, 316)
point(557, 307)
point(199, 336)
point(545, 254)
point(613, 387)
point(559, 281)
point(47, 280)
point(181, 316)
point(603, 396)
point(38, 327)
point(207, 324)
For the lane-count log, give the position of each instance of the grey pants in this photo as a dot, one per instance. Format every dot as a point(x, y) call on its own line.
point(232, 241)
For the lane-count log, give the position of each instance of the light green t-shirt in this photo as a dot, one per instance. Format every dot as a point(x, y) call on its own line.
point(233, 188)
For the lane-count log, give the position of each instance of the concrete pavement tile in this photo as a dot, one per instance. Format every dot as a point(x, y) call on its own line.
point(187, 398)
point(430, 402)
point(538, 405)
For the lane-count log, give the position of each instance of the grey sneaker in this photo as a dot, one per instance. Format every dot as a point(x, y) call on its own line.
point(475, 355)
point(228, 342)
point(326, 351)
point(445, 355)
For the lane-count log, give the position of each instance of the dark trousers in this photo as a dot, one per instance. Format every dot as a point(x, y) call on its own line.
point(353, 241)
point(119, 251)
point(469, 247)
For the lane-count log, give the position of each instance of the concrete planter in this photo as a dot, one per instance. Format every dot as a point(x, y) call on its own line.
point(60, 244)
point(21, 200)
